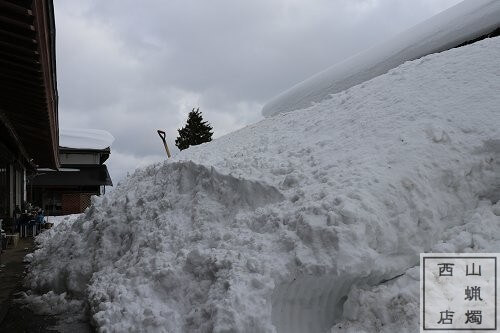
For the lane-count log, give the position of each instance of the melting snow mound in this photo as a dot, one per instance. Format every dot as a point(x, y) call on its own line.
point(308, 221)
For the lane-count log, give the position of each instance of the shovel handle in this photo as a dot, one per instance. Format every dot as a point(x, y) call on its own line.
point(163, 138)
point(162, 135)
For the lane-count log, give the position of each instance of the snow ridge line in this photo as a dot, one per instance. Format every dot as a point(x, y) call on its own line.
point(450, 28)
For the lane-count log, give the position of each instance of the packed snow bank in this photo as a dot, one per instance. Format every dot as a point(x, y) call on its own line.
point(393, 306)
point(466, 21)
point(85, 138)
point(288, 224)
point(56, 220)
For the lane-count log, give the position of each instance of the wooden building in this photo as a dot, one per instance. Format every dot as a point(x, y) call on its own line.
point(69, 189)
point(28, 97)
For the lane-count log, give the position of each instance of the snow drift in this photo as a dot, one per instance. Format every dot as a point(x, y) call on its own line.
point(461, 23)
point(307, 221)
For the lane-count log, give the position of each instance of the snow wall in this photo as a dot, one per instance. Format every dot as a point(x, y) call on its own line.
point(466, 21)
point(309, 221)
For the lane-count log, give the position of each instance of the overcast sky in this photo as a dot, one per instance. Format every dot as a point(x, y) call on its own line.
point(131, 67)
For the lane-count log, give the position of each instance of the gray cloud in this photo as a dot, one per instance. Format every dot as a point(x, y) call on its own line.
point(131, 67)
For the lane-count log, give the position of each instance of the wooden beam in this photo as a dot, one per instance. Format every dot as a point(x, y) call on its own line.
point(13, 101)
point(32, 133)
point(20, 114)
point(8, 95)
point(20, 120)
point(34, 69)
point(15, 8)
point(19, 90)
point(6, 82)
point(32, 136)
point(16, 24)
point(28, 127)
point(20, 59)
point(28, 91)
point(21, 80)
point(17, 49)
point(13, 134)
point(14, 104)
point(25, 115)
point(18, 39)
point(9, 72)
point(45, 30)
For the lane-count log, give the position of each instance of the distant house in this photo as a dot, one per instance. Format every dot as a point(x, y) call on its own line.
point(82, 174)
point(28, 98)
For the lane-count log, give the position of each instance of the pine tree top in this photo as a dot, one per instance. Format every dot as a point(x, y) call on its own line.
point(195, 132)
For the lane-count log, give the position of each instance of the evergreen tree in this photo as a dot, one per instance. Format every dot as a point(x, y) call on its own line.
point(195, 132)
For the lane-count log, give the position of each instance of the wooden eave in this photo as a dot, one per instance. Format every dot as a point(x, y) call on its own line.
point(28, 82)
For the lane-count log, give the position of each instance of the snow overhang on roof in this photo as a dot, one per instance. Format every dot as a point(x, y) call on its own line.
point(462, 23)
point(80, 138)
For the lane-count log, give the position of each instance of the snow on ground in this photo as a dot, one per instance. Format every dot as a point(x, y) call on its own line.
point(51, 303)
point(463, 22)
point(56, 220)
point(308, 221)
point(83, 138)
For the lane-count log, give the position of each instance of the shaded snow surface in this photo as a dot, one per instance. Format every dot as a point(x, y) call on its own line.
point(293, 224)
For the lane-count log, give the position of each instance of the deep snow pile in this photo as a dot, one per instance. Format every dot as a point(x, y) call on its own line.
point(393, 306)
point(297, 223)
point(461, 23)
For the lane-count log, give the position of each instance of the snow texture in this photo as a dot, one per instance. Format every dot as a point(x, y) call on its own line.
point(56, 220)
point(463, 22)
point(309, 221)
point(85, 138)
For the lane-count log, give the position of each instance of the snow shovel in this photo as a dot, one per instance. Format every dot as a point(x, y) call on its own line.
point(162, 136)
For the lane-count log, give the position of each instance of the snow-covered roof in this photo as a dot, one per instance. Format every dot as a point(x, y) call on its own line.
point(466, 21)
point(83, 138)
